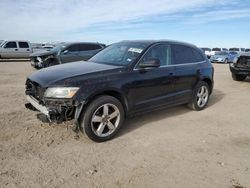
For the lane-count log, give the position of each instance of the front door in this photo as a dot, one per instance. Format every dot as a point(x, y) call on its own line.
point(153, 87)
point(10, 50)
point(70, 54)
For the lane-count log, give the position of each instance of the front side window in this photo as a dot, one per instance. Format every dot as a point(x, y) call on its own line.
point(120, 54)
point(162, 52)
point(11, 45)
point(73, 48)
point(184, 55)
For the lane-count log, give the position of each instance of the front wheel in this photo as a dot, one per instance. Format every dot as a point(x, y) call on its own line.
point(200, 96)
point(238, 77)
point(102, 118)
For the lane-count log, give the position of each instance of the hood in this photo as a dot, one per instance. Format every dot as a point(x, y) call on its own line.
point(62, 74)
point(42, 53)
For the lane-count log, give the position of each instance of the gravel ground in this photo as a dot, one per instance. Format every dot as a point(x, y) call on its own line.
point(175, 147)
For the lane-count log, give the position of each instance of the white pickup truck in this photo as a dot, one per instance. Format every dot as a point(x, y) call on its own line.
point(15, 49)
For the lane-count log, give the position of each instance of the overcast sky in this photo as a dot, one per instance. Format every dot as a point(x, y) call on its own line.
point(212, 23)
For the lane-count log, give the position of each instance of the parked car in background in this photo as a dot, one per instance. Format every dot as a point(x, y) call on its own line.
point(15, 49)
point(125, 78)
point(247, 50)
point(214, 50)
point(239, 50)
point(240, 68)
point(232, 55)
point(220, 57)
point(207, 52)
point(64, 53)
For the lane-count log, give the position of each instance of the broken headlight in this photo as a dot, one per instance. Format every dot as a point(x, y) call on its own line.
point(61, 92)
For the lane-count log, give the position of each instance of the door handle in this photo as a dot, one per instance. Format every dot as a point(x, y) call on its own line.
point(16, 49)
point(28, 49)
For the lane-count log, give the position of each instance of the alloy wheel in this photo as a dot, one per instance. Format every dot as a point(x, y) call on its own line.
point(105, 120)
point(202, 96)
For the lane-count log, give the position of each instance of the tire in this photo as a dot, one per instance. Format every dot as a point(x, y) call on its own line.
point(200, 96)
point(238, 77)
point(97, 121)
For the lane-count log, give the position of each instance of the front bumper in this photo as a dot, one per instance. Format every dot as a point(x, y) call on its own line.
point(239, 71)
point(37, 106)
point(55, 110)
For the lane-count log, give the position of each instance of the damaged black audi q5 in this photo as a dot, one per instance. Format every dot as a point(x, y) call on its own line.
point(124, 79)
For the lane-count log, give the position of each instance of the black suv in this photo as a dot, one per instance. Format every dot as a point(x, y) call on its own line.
point(240, 68)
point(125, 78)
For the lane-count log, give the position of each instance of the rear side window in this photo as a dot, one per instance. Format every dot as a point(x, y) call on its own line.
point(11, 45)
point(183, 55)
point(88, 47)
point(23, 45)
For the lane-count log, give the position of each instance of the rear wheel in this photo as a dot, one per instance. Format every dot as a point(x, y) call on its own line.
point(238, 77)
point(200, 96)
point(102, 118)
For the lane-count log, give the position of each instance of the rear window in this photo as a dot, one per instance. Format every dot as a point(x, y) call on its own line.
point(23, 45)
point(11, 45)
point(184, 55)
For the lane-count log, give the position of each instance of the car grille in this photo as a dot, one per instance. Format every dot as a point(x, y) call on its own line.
point(244, 62)
point(35, 90)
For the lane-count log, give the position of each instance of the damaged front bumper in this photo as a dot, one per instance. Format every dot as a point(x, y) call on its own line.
point(55, 110)
point(42, 62)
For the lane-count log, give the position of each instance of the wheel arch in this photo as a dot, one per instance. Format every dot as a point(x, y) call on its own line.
point(110, 92)
point(209, 82)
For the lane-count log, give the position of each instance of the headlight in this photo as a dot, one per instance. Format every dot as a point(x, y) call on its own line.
point(61, 92)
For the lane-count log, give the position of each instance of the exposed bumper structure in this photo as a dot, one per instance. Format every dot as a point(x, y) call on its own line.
point(37, 106)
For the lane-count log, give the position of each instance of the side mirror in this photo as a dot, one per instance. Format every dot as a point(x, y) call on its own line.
point(150, 63)
point(65, 51)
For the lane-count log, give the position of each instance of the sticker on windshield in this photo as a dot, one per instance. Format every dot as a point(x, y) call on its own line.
point(136, 50)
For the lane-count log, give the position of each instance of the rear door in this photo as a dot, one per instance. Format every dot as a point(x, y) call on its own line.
point(24, 50)
point(187, 62)
point(10, 50)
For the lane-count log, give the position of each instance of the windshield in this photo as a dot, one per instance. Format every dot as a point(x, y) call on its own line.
point(1, 41)
point(120, 54)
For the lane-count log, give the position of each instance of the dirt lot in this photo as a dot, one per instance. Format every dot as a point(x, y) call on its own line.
point(176, 147)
